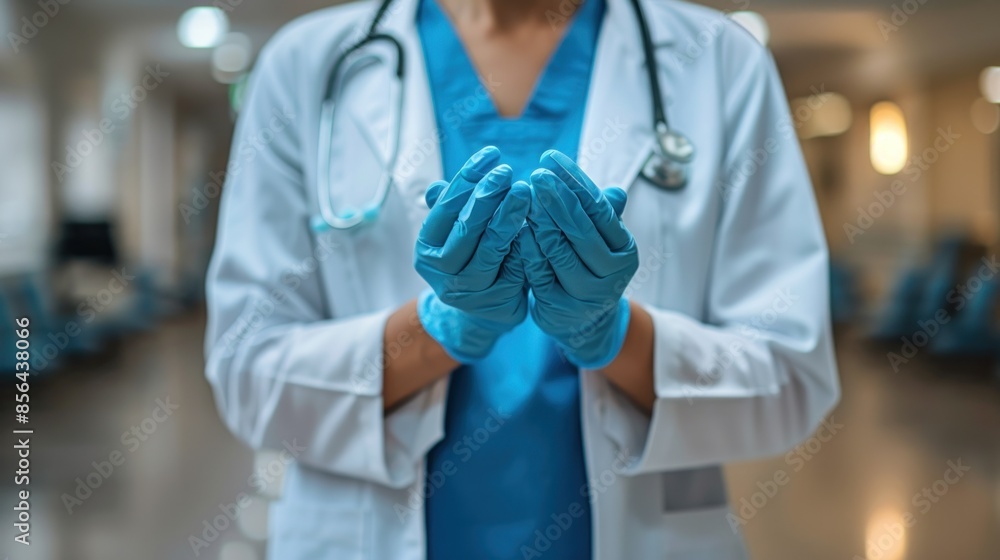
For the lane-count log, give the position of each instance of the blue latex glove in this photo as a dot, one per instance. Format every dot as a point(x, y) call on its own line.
point(466, 252)
point(578, 257)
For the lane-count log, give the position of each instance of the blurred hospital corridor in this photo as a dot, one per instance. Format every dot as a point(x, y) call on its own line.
point(119, 120)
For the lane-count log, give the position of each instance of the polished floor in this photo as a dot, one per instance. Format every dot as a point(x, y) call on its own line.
point(907, 467)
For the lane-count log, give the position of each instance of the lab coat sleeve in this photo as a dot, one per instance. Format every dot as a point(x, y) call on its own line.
point(758, 375)
point(283, 373)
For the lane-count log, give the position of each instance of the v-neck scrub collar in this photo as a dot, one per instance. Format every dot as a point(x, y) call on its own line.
point(462, 98)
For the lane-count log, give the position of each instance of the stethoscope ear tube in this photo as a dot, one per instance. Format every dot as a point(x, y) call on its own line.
point(649, 54)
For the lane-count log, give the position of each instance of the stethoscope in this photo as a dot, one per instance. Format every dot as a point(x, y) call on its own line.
point(667, 166)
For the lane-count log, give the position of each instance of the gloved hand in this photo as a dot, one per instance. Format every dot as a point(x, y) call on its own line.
point(464, 251)
point(578, 257)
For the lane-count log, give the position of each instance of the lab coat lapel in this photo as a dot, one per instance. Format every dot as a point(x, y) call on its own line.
point(419, 160)
point(617, 132)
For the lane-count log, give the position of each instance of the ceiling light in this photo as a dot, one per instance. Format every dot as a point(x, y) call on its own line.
point(889, 142)
point(989, 81)
point(202, 27)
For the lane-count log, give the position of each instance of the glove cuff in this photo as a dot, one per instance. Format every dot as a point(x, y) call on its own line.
point(599, 341)
point(465, 337)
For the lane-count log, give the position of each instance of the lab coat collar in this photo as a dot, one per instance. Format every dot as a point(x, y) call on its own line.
point(621, 15)
point(403, 13)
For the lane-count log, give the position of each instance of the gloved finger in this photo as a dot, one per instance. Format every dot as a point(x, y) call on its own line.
point(512, 269)
point(537, 270)
point(597, 206)
point(544, 230)
point(548, 300)
point(566, 211)
point(496, 241)
point(572, 274)
point(439, 222)
point(617, 198)
point(475, 217)
point(433, 192)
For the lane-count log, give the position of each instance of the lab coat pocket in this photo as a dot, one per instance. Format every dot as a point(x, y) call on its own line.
point(315, 532)
point(702, 534)
point(693, 489)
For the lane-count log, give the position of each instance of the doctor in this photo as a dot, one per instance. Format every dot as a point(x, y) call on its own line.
point(516, 358)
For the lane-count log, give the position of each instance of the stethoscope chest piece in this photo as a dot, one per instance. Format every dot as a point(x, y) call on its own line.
point(667, 167)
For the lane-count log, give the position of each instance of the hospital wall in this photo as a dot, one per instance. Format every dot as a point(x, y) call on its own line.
point(965, 179)
point(884, 225)
point(135, 175)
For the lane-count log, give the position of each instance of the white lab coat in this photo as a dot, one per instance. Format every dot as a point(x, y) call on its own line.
point(733, 270)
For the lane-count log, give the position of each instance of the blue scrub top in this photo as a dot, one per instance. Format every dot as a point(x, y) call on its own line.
point(509, 479)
